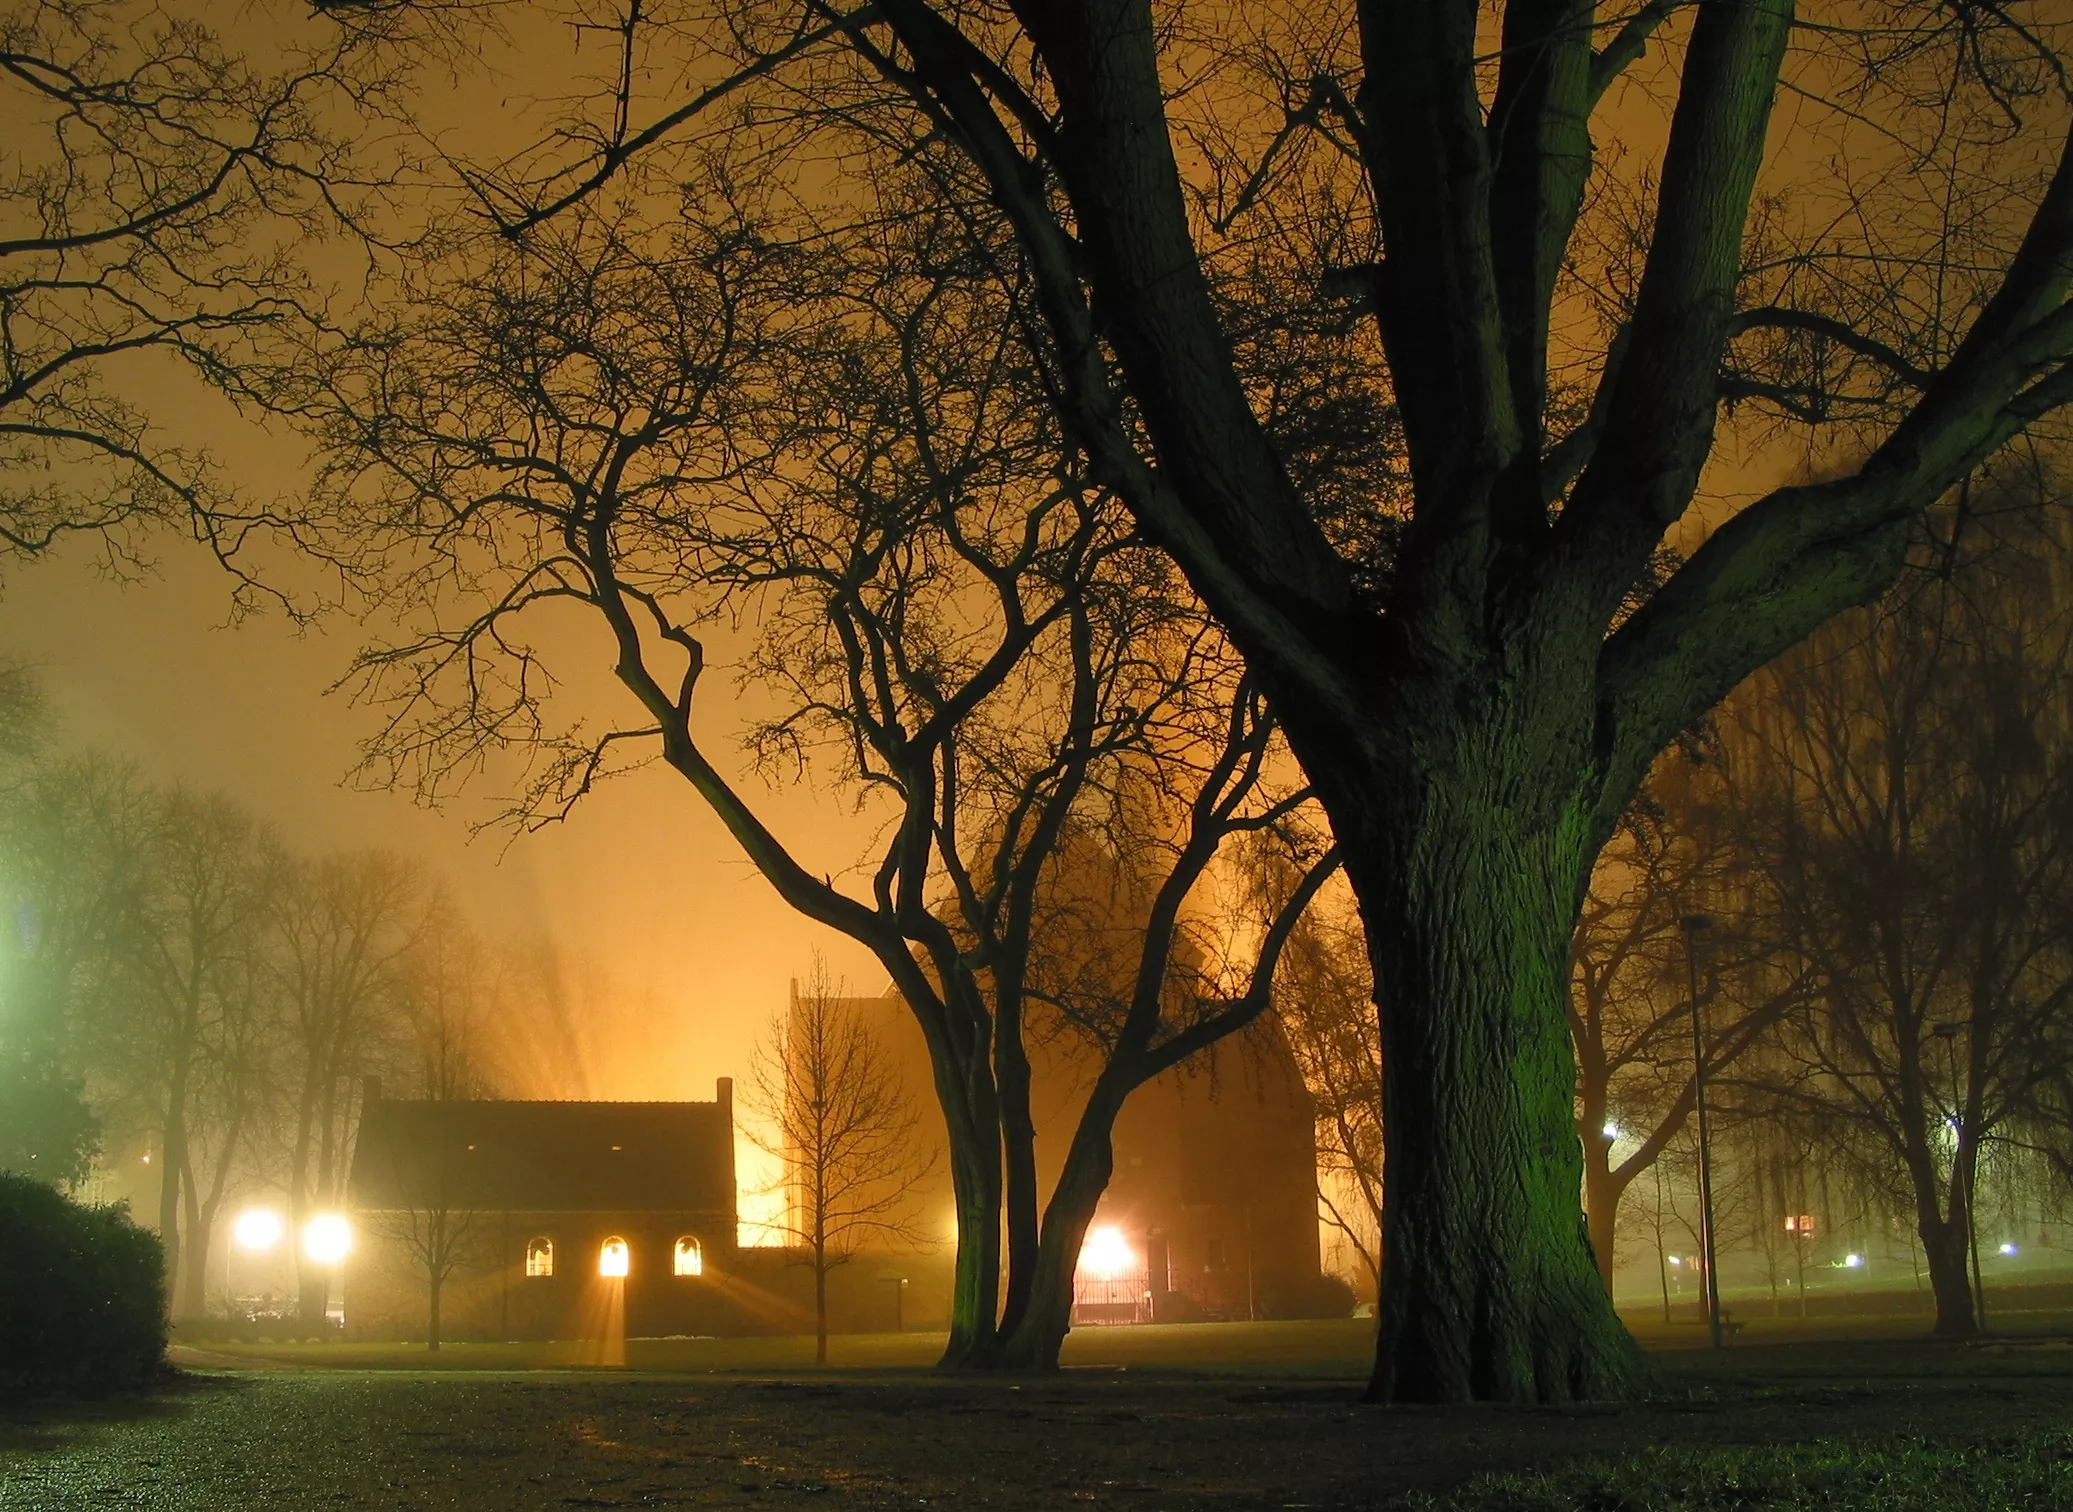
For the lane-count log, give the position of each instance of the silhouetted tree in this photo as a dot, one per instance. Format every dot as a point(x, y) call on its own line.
point(1906, 785)
point(156, 185)
point(841, 451)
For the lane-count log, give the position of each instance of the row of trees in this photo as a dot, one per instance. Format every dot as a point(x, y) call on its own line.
point(183, 988)
point(1876, 838)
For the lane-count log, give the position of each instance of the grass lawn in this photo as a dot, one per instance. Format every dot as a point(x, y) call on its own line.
point(1334, 1350)
point(1206, 1418)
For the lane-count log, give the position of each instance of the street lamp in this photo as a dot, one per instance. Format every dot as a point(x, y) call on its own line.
point(1693, 925)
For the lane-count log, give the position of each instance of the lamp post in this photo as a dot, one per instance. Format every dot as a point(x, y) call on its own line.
point(1693, 925)
point(1961, 1182)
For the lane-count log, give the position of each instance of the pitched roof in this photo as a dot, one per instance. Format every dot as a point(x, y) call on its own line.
point(546, 1156)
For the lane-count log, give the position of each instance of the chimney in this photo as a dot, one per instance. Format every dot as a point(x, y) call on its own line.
point(370, 1089)
point(723, 1091)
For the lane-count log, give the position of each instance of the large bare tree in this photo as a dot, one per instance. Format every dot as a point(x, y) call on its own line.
point(841, 449)
point(1475, 685)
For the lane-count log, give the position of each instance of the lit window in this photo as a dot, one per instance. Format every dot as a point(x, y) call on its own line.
point(539, 1257)
point(690, 1257)
point(611, 1260)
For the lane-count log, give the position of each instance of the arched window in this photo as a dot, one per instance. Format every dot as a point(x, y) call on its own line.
point(690, 1257)
point(612, 1258)
point(539, 1256)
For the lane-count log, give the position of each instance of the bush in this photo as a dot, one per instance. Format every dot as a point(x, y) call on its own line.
point(1313, 1296)
point(82, 1295)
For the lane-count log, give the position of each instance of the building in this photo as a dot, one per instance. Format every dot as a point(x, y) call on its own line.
point(544, 1220)
point(1211, 1212)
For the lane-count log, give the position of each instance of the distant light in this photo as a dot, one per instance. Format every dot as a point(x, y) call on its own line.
point(1853, 1261)
point(257, 1229)
point(1106, 1254)
point(1677, 1259)
point(2007, 1249)
point(1612, 1131)
point(327, 1238)
point(147, 1160)
point(612, 1259)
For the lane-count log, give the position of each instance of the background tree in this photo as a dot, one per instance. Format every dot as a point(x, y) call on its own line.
point(72, 832)
point(836, 1112)
point(1477, 685)
point(344, 928)
point(1907, 790)
point(1630, 996)
point(198, 913)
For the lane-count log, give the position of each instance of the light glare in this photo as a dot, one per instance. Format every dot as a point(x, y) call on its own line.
point(2007, 1249)
point(257, 1229)
point(1106, 1254)
point(612, 1259)
point(327, 1238)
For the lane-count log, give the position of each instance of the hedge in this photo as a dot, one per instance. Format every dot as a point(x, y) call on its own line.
point(82, 1296)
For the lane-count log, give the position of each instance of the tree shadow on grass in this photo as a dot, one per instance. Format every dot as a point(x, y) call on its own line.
point(36, 1425)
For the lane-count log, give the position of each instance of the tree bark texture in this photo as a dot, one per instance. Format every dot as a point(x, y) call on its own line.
point(1469, 876)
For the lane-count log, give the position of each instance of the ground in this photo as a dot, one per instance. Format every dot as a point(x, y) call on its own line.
point(1224, 1417)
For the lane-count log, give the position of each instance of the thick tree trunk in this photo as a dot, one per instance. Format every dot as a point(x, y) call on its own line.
point(1944, 1248)
point(975, 1171)
point(1034, 1343)
point(1468, 873)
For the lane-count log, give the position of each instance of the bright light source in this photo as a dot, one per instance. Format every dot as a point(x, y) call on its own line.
point(327, 1238)
point(1106, 1254)
point(257, 1229)
point(2007, 1249)
point(1677, 1259)
point(612, 1259)
point(1853, 1261)
point(1612, 1131)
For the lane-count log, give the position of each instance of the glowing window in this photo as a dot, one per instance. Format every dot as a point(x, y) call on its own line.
point(539, 1257)
point(690, 1257)
point(611, 1260)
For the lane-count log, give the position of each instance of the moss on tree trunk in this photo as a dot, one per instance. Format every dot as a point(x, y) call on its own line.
point(1468, 878)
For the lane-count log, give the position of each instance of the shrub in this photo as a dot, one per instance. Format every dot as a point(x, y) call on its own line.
point(1312, 1296)
point(82, 1295)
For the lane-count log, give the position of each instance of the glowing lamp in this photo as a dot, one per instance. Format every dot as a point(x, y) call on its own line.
point(1677, 1259)
point(1107, 1254)
point(1612, 1131)
point(256, 1229)
point(327, 1239)
point(2008, 1249)
point(1852, 1262)
point(611, 1260)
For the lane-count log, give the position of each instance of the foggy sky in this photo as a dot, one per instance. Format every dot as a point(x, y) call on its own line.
point(641, 888)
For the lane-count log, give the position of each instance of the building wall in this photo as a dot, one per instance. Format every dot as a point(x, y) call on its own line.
point(490, 1296)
